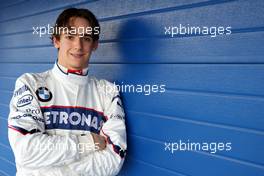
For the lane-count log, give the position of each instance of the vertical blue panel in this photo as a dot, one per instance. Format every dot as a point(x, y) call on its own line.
point(213, 85)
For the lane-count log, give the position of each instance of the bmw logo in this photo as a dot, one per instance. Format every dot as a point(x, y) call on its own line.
point(44, 94)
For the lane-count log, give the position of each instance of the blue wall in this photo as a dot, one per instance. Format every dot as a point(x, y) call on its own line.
point(214, 85)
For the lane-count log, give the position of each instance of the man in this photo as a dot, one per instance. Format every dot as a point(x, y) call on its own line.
point(63, 122)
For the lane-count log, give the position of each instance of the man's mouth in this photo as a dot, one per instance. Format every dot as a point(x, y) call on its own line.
point(79, 55)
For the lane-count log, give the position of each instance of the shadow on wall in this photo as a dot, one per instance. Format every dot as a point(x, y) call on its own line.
point(137, 41)
point(137, 46)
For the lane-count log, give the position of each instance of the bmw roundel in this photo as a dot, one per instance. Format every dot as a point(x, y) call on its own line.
point(44, 94)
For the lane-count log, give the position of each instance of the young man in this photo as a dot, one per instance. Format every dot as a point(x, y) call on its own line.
point(63, 122)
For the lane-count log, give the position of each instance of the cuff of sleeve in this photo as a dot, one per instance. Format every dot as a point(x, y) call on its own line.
point(86, 144)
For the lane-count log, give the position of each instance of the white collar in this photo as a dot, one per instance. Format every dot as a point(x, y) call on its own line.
point(62, 73)
point(65, 70)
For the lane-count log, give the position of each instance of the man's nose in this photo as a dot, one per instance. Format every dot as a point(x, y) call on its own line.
point(78, 44)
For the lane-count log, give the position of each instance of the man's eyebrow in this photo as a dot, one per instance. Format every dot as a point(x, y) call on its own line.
point(70, 33)
point(74, 34)
point(87, 35)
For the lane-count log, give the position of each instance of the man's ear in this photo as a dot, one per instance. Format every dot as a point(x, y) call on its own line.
point(56, 42)
point(95, 45)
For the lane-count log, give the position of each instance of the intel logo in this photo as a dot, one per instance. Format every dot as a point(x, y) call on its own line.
point(25, 100)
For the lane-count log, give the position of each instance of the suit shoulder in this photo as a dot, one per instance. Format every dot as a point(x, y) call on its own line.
point(31, 79)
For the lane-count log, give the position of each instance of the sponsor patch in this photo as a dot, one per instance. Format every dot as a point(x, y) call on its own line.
point(21, 90)
point(24, 100)
point(44, 94)
point(117, 116)
point(73, 118)
point(30, 116)
point(33, 111)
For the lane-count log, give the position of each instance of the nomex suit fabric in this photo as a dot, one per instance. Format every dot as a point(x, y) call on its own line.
point(52, 115)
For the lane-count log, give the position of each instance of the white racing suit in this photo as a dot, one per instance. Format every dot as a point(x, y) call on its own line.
point(52, 115)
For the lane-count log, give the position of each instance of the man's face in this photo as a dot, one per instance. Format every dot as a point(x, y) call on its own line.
point(75, 49)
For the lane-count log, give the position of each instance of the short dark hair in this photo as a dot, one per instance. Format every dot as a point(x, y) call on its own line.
point(63, 20)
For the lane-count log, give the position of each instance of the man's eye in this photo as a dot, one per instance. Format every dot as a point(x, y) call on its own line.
point(69, 37)
point(88, 39)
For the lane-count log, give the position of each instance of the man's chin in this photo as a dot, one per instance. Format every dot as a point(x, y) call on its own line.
point(78, 66)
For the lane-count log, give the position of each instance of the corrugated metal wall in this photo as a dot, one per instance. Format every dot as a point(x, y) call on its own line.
point(214, 85)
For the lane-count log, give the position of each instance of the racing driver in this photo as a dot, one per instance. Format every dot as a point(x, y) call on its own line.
point(64, 122)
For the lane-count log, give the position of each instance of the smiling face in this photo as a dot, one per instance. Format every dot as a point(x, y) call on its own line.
point(75, 49)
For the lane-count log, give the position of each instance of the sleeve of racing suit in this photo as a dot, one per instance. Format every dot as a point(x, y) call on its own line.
point(32, 147)
point(110, 160)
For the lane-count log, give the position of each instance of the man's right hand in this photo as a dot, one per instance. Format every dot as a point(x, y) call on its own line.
point(99, 141)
